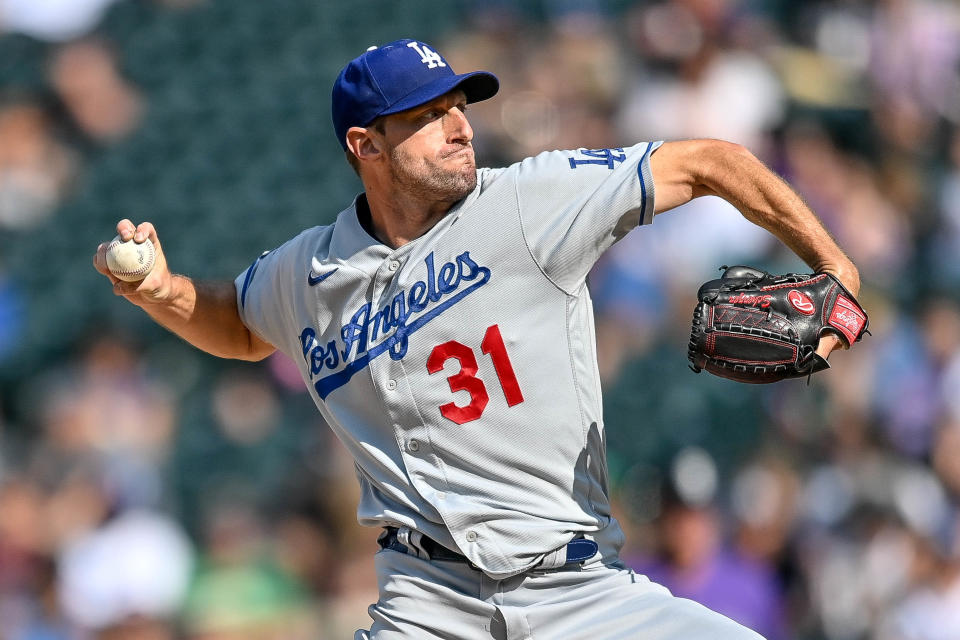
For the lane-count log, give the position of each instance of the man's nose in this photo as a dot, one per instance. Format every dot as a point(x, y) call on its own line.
point(458, 127)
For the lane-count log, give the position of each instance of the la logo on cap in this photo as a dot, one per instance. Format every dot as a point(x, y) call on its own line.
point(394, 77)
point(428, 56)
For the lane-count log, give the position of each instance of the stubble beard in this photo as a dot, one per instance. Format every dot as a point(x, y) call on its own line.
point(429, 180)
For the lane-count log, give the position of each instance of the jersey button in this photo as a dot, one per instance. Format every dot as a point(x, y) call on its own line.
point(391, 384)
point(471, 536)
point(414, 445)
point(394, 265)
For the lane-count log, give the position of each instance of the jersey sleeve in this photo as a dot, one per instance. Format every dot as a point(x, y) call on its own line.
point(260, 296)
point(575, 204)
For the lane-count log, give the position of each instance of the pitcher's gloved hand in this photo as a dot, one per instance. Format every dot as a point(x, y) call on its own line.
point(752, 326)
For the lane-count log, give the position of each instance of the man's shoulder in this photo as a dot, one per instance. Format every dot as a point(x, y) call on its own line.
point(320, 234)
point(311, 241)
point(545, 162)
point(491, 176)
point(572, 159)
point(487, 176)
point(494, 173)
point(498, 182)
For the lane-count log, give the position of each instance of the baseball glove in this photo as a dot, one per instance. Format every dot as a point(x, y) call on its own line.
point(752, 326)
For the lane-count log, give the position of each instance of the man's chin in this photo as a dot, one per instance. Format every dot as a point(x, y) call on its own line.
point(464, 173)
point(468, 178)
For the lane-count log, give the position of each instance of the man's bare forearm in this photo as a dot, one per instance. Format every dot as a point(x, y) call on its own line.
point(688, 169)
point(205, 315)
point(734, 174)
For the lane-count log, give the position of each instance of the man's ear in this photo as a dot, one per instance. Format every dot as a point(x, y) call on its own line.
point(363, 143)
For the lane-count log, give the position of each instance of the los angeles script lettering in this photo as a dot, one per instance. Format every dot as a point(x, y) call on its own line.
point(358, 338)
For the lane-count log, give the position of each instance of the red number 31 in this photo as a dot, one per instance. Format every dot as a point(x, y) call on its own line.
point(466, 379)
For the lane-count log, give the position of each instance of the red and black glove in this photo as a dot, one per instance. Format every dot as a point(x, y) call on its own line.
point(752, 326)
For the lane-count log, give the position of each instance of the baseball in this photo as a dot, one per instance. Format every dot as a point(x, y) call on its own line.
point(130, 261)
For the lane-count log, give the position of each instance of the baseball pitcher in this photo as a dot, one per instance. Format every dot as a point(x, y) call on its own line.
point(444, 328)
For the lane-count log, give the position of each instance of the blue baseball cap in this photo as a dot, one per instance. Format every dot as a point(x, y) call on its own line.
point(396, 77)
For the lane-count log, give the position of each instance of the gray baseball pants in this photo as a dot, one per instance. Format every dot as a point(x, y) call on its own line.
point(426, 600)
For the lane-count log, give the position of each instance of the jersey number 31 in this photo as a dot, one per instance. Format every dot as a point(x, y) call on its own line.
point(466, 379)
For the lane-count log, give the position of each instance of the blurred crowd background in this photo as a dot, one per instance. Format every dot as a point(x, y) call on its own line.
point(150, 492)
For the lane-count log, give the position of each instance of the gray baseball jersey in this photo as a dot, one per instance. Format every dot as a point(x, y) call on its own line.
point(460, 369)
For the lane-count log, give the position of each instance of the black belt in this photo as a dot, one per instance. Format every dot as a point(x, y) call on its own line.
point(578, 549)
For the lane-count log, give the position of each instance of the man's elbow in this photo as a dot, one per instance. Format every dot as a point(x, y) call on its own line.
point(243, 346)
point(689, 169)
point(245, 355)
point(721, 156)
point(706, 150)
point(254, 356)
point(258, 349)
point(720, 161)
